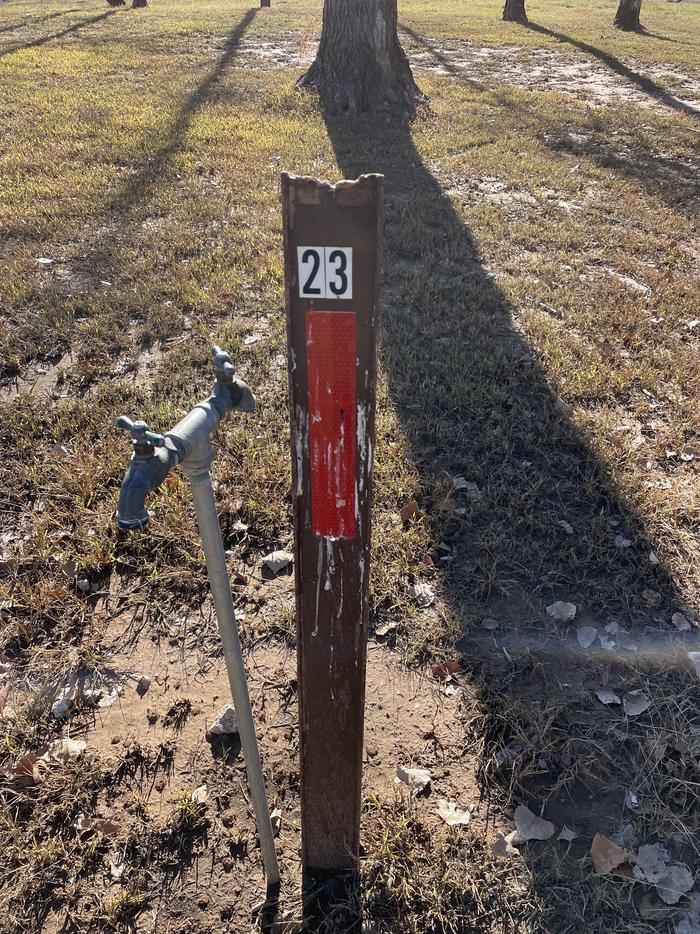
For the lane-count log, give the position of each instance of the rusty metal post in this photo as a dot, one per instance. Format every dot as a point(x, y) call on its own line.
point(332, 245)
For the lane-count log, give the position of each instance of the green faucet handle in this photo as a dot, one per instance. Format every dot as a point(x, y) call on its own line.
point(140, 432)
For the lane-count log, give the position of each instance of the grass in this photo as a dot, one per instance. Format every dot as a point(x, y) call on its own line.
point(539, 294)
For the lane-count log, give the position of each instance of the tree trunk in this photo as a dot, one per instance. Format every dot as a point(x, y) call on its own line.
point(360, 64)
point(627, 16)
point(514, 11)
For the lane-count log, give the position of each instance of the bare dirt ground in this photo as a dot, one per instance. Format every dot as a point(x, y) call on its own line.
point(594, 83)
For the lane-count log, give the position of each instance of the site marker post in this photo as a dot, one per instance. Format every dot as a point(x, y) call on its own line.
point(332, 245)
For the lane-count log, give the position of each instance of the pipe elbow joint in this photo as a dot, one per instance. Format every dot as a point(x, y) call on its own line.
point(143, 477)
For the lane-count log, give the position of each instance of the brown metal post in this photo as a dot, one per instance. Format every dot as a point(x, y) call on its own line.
point(332, 247)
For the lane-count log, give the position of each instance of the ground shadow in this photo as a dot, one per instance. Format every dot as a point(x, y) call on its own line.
point(474, 403)
point(139, 185)
point(644, 83)
point(69, 30)
point(32, 21)
point(663, 175)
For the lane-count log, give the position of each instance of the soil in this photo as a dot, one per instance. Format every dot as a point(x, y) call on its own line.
point(158, 741)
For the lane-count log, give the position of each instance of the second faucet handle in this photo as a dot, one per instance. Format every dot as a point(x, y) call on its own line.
point(140, 432)
point(225, 370)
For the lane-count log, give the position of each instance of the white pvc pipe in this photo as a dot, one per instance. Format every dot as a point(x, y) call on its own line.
point(210, 533)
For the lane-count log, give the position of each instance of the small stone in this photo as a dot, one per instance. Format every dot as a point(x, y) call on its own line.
point(561, 611)
point(142, 685)
point(84, 585)
point(226, 723)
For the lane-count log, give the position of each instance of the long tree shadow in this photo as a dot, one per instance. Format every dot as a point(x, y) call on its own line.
point(140, 184)
point(34, 21)
point(644, 83)
point(475, 404)
point(665, 175)
point(69, 30)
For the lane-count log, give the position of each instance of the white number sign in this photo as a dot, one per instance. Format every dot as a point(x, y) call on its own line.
point(325, 271)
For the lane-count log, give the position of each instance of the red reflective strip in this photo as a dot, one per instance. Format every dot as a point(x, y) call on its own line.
point(330, 354)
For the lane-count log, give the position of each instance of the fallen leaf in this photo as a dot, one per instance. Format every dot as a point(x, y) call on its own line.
point(503, 844)
point(622, 542)
point(625, 837)
point(450, 690)
point(117, 865)
point(489, 623)
point(567, 835)
point(468, 486)
point(606, 855)
point(653, 559)
point(561, 611)
point(276, 821)
point(530, 826)
point(677, 881)
point(586, 636)
point(100, 824)
point(423, 594)
point(418, 779)
point(200, 794)
point(607, 644)
point(651, 863)
point(385, 629)
point(650, 910)
point(411, 511)
point(452, 814)
point(277, 561)
point(680, 622)
point(652, 597)
point(635, 702)
point(568, 528)
point(445, 670)
point(62, 750)
point(608, 697)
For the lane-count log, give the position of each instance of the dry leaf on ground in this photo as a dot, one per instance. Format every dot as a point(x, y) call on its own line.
point(561, 611)
point(608, 697)
point(651, 863)
point(452, 814)
point(677, 881)
point(606, 855)
point(635, 702)
point(503, 844)
point(277, 561)
point(423, 594)
point(530, 826)
point(586, 636)
point(419, 779)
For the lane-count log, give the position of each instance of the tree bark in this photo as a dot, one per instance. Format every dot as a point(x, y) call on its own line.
point(627, 16)
point(514, 11)
point(360, 64)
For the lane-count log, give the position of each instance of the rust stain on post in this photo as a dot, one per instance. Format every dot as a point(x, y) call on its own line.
point(332, 245)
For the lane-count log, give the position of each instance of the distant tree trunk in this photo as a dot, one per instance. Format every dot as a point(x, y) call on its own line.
point(514, 11)
point(627, 16)
point(360, 64)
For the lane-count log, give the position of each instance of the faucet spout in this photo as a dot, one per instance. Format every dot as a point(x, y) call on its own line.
point(145, 474)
